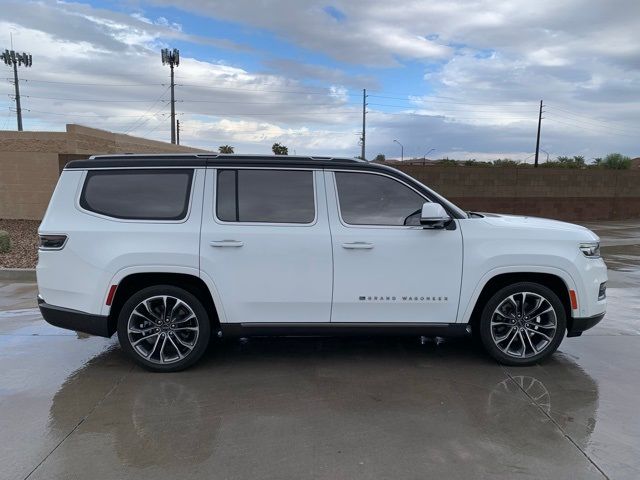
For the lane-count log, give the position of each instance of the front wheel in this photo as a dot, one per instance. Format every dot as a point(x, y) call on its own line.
point(522, 324)
point(164, 328)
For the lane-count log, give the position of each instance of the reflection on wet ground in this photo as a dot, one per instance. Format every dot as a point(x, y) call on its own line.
point(75, 407)
point(621, 250)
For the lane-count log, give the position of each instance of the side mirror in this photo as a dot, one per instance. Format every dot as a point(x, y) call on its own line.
point(434, 216)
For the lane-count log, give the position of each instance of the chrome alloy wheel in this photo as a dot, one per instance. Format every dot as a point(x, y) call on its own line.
point(523, 325)
point(163, 329)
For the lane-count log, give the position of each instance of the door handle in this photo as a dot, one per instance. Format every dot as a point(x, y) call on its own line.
point(358, 245)
point(226, 243)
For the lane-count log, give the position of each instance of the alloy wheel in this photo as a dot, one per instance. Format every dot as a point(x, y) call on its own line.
point(523, 325)
point(163, 329)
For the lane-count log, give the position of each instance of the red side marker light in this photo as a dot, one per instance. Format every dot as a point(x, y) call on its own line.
point(111, 294)
point(574, 299)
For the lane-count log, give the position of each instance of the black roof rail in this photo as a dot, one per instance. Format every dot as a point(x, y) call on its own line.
point(224, 156)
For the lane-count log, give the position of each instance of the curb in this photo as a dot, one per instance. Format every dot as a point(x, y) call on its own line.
point(26, 275)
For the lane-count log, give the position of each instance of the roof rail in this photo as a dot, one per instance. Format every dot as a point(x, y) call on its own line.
point(213, 155)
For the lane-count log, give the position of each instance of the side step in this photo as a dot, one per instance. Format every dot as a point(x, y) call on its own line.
point(343, 329)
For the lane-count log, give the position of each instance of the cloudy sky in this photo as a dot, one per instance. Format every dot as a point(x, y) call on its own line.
point(462, 77)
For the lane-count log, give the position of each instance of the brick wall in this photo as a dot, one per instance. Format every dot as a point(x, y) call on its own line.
point(565, 194)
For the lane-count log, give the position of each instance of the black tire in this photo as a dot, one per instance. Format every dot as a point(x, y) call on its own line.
point(522, 323)
point(185, 357)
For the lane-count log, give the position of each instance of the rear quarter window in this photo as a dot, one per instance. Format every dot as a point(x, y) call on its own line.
point(138, 194)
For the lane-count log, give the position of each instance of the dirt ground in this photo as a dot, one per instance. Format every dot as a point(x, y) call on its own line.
point(24, 243)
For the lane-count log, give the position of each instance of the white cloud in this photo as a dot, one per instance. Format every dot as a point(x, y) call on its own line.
point(494, 61)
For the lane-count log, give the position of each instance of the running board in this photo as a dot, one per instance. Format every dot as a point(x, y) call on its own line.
point(343, 329)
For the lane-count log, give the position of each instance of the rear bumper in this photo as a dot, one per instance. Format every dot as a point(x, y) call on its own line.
point(580, 324)
point(99, 325)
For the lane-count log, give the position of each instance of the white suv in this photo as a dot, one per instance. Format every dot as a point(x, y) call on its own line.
point(170, 250)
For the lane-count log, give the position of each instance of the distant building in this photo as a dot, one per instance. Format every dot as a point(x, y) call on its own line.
point(30, 162)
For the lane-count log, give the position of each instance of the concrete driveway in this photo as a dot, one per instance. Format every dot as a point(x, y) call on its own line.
point(73, 406)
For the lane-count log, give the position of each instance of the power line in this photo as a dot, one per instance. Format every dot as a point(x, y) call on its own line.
point(416, 107)
point(87, 99)
point(594, 129)
point(135, 124)
point(82, 115)
point(590, 121)
point(93, 84)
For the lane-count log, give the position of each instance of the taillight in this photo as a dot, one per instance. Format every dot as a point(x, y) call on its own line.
point(52, 242)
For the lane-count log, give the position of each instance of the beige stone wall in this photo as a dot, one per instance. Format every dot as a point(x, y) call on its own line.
point(30, 162)
point(561, 193)
point(27, 180)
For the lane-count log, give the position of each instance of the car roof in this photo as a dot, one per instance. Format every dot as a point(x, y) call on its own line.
point(210, 159)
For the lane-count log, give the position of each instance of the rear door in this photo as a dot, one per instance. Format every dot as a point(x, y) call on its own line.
point(265, 243)
point(387, 268)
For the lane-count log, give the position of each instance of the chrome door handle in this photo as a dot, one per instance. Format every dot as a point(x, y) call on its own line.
point(226, 243)
point(358, 245)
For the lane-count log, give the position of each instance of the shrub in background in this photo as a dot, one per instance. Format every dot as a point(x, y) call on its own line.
point(5, 242)
point(577, 161)
point(616, 161)
point(506, 162)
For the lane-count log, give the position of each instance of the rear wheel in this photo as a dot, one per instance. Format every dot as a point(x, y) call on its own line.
point(522, 324)
point(164, 328)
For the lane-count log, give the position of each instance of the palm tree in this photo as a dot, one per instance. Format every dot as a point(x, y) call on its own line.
point(279, 149)
point(225, 149)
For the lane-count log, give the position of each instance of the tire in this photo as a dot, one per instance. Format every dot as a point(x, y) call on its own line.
point(505, 327)
point(164, 328)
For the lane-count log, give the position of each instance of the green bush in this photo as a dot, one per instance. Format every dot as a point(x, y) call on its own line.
point(505, 162)
point(616, 161)
point(448, 162)
point(577, 161)
point(5, 242)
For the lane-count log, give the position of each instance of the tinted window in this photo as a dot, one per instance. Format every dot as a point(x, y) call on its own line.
point(367, 199)
point(268, 196)
point(138, 194)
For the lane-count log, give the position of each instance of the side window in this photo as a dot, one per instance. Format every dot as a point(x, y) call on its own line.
point(369, 199)
point(265, 196)
point(138, 194)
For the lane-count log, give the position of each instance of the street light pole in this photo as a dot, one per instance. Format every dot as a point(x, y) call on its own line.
point(424, 160)
point(401, 150)
point(171, 58)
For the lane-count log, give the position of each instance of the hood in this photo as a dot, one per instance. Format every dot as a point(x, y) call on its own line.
point(537, 223)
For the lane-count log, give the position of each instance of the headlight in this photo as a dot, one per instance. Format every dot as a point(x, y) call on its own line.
point(591, 249)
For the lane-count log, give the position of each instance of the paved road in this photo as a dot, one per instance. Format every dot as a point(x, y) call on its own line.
point(74, 407)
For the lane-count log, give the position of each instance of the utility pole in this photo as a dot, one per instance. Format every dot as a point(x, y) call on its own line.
point(538, 137)
point(172, 58)
point(178, 132)
point(364, 124)
point(11, 58)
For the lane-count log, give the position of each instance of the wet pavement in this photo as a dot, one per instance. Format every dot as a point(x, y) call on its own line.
point(75, 407)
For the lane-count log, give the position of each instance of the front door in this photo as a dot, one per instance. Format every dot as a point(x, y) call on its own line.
point(387, 268)
point(266, 245)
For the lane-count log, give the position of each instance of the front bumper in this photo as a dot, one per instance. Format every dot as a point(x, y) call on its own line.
point(76, 320)
point(578, 325)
